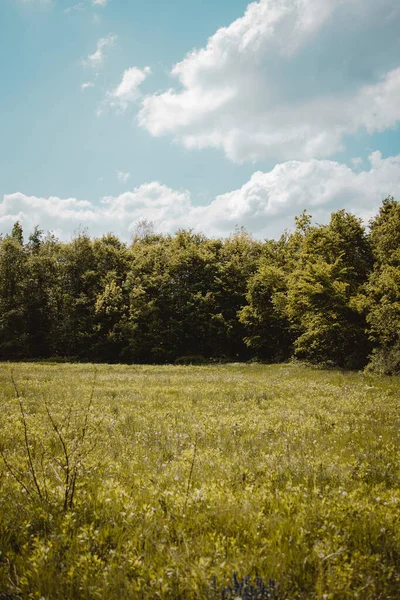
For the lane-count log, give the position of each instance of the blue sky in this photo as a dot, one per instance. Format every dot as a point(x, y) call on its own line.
point(199, 114)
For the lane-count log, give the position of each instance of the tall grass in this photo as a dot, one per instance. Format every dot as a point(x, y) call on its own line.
point(186, 475)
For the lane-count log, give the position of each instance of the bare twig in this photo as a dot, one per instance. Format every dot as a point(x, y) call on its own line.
point(67, 419)
point(15, 474)
point(46, 493)
point(26, 437)
point(79, 448)
point(66, 469)
point(191, 471)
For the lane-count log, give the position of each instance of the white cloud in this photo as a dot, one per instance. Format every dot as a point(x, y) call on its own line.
point(127, 92)
point(100, 3)
point(119, 214)
point(289, 79)
point(55, 214)
point(152, 201)
point(86, 85)
point(75, 8)
point(95, 60)
point(268, 203)
point(123, 177)
point(357, 161)
point(265, 205)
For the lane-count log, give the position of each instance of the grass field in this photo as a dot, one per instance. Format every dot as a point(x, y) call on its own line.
point(121, 482)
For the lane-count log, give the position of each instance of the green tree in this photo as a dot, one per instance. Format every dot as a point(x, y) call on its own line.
point(13, 314)
point(40, 294)
point(77, 288)
point(237, 261)
point(333, 263)
point(268, 331)
point(113, 326)
point(17, 233)
point(172, 303)
point(385, 233)
point(382, 293)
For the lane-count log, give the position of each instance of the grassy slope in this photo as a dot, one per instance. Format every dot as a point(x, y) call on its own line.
point(281, 471)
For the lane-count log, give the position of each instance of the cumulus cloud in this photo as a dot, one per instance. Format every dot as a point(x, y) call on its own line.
point(96, 59)
point(59, 215)
point(289, 79)
point(357, 161)
point(119, 214)
point(152, 201)
point(265, 205)
point(268, 203)
point(127, 92)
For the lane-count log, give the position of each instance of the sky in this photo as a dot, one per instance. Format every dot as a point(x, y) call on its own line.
point(196, 114)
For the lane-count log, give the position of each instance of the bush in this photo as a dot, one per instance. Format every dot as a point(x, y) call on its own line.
point(196, 359)
point(385, 361)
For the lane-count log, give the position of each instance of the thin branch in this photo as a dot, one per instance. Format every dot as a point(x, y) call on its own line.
point(94, 432)
point(46, 493)
point(67, 419)
point(56, 473)
point(14, 473)
point(69, 498)
point(191, 471)
point(66, 469)
point(27, 445)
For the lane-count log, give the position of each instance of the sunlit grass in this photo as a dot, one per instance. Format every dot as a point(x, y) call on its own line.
point(186, 473)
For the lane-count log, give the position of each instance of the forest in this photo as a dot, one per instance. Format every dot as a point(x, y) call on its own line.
point(326, 294)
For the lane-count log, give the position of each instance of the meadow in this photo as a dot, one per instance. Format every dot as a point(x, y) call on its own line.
point(178, 482)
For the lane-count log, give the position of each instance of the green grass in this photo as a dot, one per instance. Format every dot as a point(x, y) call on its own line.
point(185, 473)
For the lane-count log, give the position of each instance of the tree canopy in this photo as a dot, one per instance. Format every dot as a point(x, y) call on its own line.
point(328, 294)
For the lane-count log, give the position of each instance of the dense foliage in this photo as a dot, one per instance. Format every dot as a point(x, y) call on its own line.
point(149, 482)
point(328, 294)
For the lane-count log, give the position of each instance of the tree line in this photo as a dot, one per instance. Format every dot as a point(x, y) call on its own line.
point(327, 294)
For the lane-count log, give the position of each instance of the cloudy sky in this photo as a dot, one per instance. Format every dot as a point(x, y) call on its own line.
point(196, 113)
